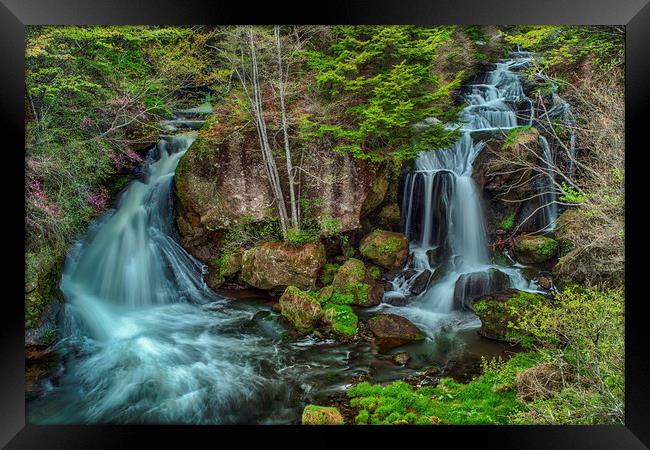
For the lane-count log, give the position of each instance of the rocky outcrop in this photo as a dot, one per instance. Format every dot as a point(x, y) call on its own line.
point(386, 248)
point(274, 265)
point(500, 309)
point(300, 309)
point(534, 249)
point(390, 331)
point(321, 415)
point(472, 285)
point(389, 217)
point(355, 281)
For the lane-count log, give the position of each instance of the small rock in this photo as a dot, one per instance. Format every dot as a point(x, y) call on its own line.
point(545, 282)
point(401, 358)
point(390, 331)
point(321, 415)
point(421, 283)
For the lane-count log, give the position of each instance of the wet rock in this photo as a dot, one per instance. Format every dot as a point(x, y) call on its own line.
point(545, 282)
point(386, 248)
point(321, 415)
point(300, 309)
point(355, 280)
point(390, 331)
point(274, 265)
point(534, 249)
point(434, 256)
point(421, 283)
point(472, 285)
point(401, 358)
point(396, 299)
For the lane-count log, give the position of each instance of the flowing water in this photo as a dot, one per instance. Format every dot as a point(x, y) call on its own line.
point(442, 211)
point(146, 341)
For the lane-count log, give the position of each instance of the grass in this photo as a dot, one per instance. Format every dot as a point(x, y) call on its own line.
point(488, 399)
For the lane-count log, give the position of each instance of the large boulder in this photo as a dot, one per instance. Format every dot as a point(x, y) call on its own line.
point(390, 331)
point(386, 248)
point(321, 415)
point(472, 285)
point(274, 265)
point(534, 249)
point(300, 309)
point(389, 216)
point(500, 309)
point(355, 281)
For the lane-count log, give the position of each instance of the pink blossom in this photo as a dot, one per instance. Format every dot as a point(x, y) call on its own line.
point(99, 199)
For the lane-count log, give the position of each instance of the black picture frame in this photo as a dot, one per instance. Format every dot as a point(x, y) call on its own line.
point(15, 14)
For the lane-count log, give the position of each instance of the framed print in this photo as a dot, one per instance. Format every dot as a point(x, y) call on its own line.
point(260, 221)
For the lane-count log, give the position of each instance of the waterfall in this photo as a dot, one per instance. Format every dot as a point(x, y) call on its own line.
point(547, 188)
point(442, 210)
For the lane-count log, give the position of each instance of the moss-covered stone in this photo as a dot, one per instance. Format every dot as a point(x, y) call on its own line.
point(321, 415)
point(274, 265)
point(325, 294)
point(386, 248)
point(500, 309)
point(329, 271)
point(353, 280)
point(376, 193)
point(534, 249)
point(389, 216)
point(341, 319)
point(391, 330)
point(300, 309)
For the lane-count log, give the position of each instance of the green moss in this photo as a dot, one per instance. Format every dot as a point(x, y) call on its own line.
point(507, 222)
point(488, 399)
point(300, 308)
point(341, 318)
point(351, 280)
point(321, 415)
point(329, 271)
point(375, 272)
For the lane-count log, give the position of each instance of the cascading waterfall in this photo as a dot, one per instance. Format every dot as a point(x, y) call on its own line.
point(546, 187)
point(441, 205)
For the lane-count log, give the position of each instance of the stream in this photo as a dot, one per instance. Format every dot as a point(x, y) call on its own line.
point(144, 340)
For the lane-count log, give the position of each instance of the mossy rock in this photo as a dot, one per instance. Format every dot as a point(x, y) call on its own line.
point(391, 330)
point(329, 271)
point(386, 248)
point(500, 309)
point(390, 216)
point(341, 319)
point(535, 249)
point(300, 309)
point(321, 415)
point(355, 282)
point(567, 228)
point(274, 265)
point(376, 193)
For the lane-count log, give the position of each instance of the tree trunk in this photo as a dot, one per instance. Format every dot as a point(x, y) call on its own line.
point(287, 150)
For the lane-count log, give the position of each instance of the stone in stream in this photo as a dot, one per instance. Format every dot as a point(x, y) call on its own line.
point(421, 282)
point(498, 309)
point(401, 358)
point(472, 285)
point(353, 279)
point(321, 415)
point(390, 331)
point(300, 309)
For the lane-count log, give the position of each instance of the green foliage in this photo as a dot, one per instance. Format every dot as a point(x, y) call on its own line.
point(249, 232)
point(583, 327)
point(387, 75)
point(571, 195)
point(488, 399)
point(516, 136)
point(603, 46)
point(329, 271)
point(375, 272)
point(343, 320)
point(507, 222)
